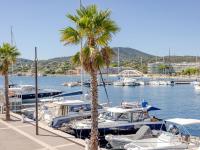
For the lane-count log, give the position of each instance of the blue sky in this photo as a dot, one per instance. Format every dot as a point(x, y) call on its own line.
point(152, 26)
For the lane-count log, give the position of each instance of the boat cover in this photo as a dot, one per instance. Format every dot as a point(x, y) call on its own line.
point(184, 121)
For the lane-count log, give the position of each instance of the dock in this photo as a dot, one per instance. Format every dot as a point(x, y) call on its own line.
point(18, 135)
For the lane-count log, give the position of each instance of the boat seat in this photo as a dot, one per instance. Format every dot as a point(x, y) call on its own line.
point(143, 132)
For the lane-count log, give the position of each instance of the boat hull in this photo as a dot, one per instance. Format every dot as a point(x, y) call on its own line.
point(128, 129)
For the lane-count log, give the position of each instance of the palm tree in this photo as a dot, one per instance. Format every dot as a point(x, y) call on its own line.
point(8, 55)
point(95, 28)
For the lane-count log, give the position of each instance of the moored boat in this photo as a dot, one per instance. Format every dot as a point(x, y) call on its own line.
point(197, 87)
point(118, 120)
point(175, 138)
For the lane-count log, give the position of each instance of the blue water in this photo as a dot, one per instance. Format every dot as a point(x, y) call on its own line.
point(174, 101)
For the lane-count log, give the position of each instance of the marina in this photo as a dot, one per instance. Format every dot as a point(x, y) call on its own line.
point(99, 75)
point(160, 96)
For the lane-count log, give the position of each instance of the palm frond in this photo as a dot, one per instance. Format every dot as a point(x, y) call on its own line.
point(70, 36)
point(8, 56)
point(76, 59)
point(73, 18)
point(107, 54)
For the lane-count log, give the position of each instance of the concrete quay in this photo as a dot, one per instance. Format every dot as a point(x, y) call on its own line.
point(16, 135)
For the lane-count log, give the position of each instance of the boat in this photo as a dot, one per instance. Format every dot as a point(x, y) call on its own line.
point(26, 93)
point(59, 110)
point(126, 82)
point(197, 87)
point(119, 83)
point(130, 82)
point(119, 141)
point(177, 137)
point(57, 113)
point(195, 83)
point(118, 120)
point(162, 82)
point(71, 84)
point(154, 83)
point(141, 82)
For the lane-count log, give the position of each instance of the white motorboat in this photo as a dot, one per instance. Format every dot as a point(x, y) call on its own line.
point(154, 83)
point(21, 96)
point(129, 82)
point(71, 84)
point(197, 87)
point(141, 82)
point(195, 83)
point(119, 141)
point(118, 120)
point(174, 139)
point(119, 83)
point(162, 82)
point(27, 93)
point(60, 111)
point(126, 82)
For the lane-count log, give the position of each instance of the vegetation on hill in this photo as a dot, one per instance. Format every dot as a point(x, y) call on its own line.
point(128, 57)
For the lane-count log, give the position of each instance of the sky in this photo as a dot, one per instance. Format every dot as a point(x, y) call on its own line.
point(152, 26)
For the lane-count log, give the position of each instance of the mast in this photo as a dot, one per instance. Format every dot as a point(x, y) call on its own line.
point(80, 56)
point(196, 59)
point(169, 61)
point(141, 62)
point(36, 93)
point(118, 59)
point(11, 42)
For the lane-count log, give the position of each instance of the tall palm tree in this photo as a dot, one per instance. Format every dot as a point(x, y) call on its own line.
point(8, 55)
point(95, 28)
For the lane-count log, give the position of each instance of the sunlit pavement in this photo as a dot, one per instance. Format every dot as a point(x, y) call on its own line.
point(15, 135)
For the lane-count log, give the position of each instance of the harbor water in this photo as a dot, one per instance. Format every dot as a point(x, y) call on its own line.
point(174, 101)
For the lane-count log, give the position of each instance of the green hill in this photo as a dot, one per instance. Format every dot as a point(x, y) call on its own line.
point(128, 57)
point(126, 53)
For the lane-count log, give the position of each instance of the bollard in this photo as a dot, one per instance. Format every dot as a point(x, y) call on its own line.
point(23, 118)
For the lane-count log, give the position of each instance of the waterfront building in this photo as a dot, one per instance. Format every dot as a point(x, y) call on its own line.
point(166, 68)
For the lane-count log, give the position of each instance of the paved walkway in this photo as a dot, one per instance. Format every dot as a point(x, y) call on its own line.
point(15, 135)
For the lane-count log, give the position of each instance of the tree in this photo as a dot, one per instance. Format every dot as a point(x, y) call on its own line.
point(8, 56)
point(95, 28)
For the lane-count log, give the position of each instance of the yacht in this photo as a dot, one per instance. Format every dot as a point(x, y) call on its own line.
point(71, 84)
point(119, 83)
point(27, 93)
point(175, 138)
point(126, 82)
point(118, 120)
point(130, 82)
point(154, 83)
point(195, 83)
point(162, 82)
point(119, 141)
point(197, 87)
point(56, 113)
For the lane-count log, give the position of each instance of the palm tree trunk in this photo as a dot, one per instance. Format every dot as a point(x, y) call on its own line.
point(6, 97)
point(94, 115)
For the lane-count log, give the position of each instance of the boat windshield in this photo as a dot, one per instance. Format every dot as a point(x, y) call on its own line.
point(115, 116)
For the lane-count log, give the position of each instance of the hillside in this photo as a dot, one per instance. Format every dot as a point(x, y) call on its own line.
point(128, 57)
point(130, 54)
